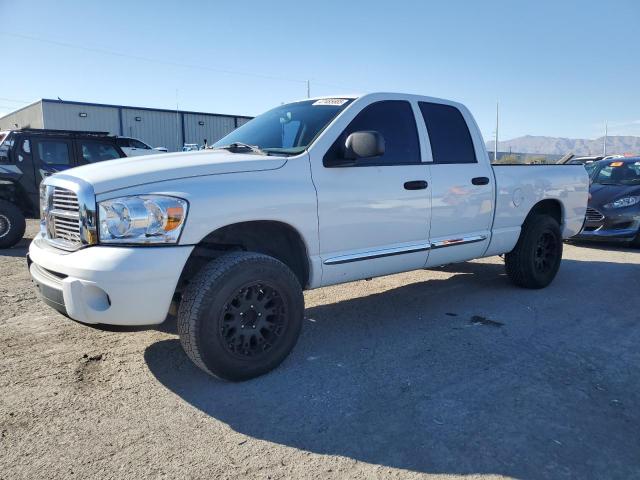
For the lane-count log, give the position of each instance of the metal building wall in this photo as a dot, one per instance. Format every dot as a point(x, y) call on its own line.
point(27, 117)
point(197, 127)
point(157, 128)
point(66, 116)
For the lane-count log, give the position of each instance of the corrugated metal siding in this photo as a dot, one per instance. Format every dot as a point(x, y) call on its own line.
point(158, 129)
point(215, 127)
point(28, 117)
point(65, 116)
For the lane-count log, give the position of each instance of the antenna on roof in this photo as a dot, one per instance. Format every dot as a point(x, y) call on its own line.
point(604, 140)
point(495, 144)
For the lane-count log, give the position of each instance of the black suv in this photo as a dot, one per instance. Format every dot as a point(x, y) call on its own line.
point(29, 155)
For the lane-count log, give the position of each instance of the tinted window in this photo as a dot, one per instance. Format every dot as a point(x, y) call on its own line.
point(97, 152)
point(138, 144)
point(54, 152)
point(618, 173)
point(448, 132)
point(122, 142)
point(394, 120)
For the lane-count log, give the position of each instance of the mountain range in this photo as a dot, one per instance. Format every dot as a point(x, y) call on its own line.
point(562, 146)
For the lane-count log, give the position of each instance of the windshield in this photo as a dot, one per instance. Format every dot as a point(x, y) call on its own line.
point(616, 173)
point(287, 129)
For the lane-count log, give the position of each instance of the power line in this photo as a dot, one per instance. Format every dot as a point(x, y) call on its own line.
point(154, 60)
point(13, 100)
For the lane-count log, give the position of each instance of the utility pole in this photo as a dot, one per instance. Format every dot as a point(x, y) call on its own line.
point(495, 144)
point(177, 124)
point(604, 140)
point(308, 89)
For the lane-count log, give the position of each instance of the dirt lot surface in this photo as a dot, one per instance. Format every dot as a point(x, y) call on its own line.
point(449, 373)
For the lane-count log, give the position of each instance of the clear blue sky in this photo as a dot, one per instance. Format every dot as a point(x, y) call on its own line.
point(559, 68)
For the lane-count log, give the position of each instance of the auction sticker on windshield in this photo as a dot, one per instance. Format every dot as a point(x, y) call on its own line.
point(330, 101)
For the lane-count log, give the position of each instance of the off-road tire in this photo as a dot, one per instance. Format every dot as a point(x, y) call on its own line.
point(208, 300)
point(526, 266)
point(12, 224)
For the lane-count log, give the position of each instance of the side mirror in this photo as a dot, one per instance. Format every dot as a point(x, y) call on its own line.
point(365, 144)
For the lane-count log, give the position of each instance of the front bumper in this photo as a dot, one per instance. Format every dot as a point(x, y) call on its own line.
point(108, 285)
point(619, 226)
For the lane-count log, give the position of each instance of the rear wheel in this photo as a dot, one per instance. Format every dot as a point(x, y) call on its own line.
point(12, 224)
point(535, 260)
point(241, 315)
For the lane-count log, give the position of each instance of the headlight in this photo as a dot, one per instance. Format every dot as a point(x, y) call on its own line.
point(623, 202)
point(146, 219)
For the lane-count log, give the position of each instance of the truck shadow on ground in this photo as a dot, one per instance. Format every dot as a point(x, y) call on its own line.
point(409, 378)
point(19, 250)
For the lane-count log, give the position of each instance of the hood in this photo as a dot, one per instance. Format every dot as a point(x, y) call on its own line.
point(132, 171)
point(603, 194)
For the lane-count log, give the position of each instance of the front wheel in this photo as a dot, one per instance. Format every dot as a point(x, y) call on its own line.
point(241, 315)
point(535, 260)
point(12, 224)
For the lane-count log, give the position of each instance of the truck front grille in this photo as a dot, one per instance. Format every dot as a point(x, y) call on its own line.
point(64, 218)
point(594, 215)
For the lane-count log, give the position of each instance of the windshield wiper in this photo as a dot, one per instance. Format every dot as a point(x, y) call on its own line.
point(238, 146)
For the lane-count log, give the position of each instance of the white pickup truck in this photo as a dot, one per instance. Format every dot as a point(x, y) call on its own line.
point(309, 194)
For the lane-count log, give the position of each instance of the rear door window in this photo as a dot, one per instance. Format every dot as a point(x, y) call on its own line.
point(54, 152)
point(92, 151)
point(448, 133)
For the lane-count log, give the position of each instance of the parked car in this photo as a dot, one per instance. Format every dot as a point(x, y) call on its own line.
point(613, 212)
point(309, 194)
point(133, 147)
point(191, 147)
point(29, 155)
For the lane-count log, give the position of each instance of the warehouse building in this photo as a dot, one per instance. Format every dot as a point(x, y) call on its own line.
point(157, 127)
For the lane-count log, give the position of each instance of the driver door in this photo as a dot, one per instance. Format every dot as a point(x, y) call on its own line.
point(374, 214)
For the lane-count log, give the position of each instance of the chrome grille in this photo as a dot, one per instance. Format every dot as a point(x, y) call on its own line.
point(68, 206)
point(594, 215)
point(64, 217)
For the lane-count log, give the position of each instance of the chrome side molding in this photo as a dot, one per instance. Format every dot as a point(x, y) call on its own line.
point(458, 241)
point(357, 257)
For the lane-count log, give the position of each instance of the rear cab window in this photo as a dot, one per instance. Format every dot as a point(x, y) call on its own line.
point(449, 134)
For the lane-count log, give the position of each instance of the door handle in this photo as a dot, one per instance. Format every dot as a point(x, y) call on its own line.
point(480, 180)
point(416, 185)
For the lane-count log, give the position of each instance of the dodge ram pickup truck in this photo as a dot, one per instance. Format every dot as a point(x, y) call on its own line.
point(311, 193)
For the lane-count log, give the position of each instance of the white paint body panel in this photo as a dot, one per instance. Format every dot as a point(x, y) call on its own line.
point(341, 214)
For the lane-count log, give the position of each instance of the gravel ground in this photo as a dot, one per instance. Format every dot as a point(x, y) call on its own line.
point(443, 373)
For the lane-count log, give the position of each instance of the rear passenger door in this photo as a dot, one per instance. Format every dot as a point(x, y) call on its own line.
point(462, 186)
